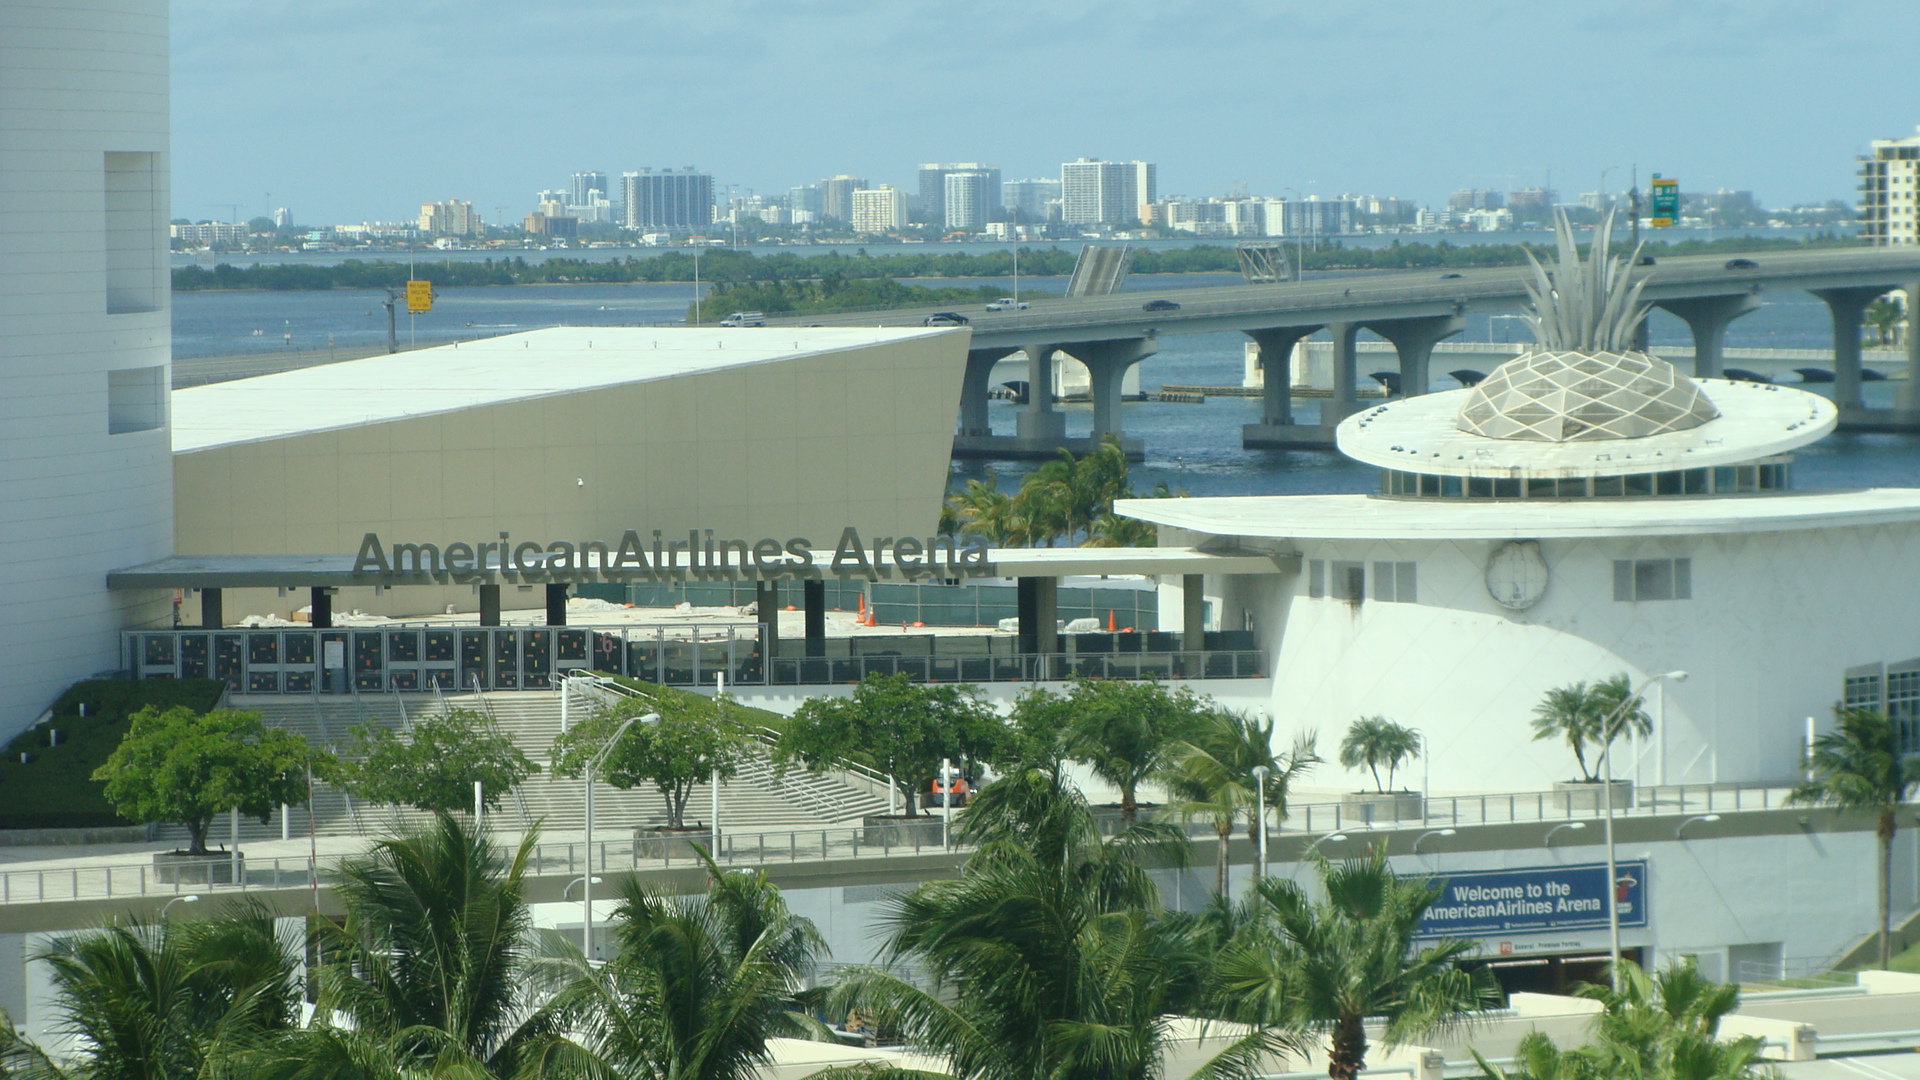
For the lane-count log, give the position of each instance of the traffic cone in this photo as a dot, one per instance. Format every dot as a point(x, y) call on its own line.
point(862, 609)
point(1110, 622)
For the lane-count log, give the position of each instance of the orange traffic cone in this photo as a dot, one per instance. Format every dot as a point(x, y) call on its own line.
point(862, 609)
point(1110, 622)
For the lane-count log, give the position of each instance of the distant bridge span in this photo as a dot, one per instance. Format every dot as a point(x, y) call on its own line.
point(1413, 310)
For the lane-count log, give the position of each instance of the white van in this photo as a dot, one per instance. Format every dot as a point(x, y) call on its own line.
point(745, 318)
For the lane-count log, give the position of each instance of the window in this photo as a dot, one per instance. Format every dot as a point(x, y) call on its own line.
point(1316, 578)
point(1394, 582)
point(1903, 703)
point(134, 225)
point(1861, 689)
point(136, 399)
point(1348, 581)
point(1653, 579)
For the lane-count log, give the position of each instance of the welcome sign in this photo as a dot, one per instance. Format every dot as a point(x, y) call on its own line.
point(1537, 899)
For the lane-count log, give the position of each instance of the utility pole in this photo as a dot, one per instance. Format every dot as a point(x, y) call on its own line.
point(1633, 205)
point(393, 342)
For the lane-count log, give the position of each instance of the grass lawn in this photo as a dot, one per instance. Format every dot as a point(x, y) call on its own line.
point(55, 788)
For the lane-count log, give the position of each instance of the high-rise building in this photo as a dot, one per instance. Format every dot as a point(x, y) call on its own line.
point(551, 203)
point(580, 192)
point(1311, 218)
point(1095, 192)
point(1533, 204)
point(1890, 192)
point(283, 218)
point(971, 198)
point(1475, 199)
point(86, 455)
point(451, 218)
point(879, 210)
point(803, 200)
point(932, 201)
point(1029, 200)
point(671, 200)
point(836, 196)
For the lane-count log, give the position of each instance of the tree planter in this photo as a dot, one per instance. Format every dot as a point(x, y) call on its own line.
point(672, 844)
point(1587, 797)
point(180, 868)
point(1111, 820)
point(901, 831)
point(1370, 806)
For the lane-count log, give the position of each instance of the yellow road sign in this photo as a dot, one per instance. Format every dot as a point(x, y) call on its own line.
point(419, 297)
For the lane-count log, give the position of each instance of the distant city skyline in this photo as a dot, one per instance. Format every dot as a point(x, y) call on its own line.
point(1402, 98)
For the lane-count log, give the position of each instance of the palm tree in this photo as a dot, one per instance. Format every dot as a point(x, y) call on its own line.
point(1861, 766)
point(1049, 955)
point(1213, 779)
point(1577, 713)
point(1374, 741)
point(429, 967)
point(695, 989)
point(167, 1002)
point(1331, 966)
point(1884, 316)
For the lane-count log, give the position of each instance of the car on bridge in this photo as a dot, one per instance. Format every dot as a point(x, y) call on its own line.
point(1742, 264)
point(1159, 305)
point(946, 318)
point(1008, 303)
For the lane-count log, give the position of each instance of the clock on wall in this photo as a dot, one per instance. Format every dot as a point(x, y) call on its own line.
point(1517, 575)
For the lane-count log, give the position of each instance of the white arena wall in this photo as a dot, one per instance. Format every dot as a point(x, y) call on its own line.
point(85, 464)
point(1774, 622)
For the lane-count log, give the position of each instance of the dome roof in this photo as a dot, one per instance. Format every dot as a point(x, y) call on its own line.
point(1580, 396)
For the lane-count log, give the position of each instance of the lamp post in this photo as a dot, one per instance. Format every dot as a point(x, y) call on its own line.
point(1704, 819)
point(1609, 729)
point(1436, 832)
point(190, 898)
point(1260, 773)
point(946, 804)
point(1336, 837)
point(586, 891)
point(1571, 826)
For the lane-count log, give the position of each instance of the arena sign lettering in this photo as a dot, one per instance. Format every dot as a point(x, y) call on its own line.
point(1536, 900)
point(700, 555)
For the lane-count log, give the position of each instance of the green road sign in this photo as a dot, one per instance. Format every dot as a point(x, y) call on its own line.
point(1666, 200)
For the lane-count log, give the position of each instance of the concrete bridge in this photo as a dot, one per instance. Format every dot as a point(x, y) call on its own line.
point(1412, 310)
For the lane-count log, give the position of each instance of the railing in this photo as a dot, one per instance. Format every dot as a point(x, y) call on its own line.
point(1020, 667)
point(761, 848)
point(1541, 806)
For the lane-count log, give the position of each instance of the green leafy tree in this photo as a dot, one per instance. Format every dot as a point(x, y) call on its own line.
point(1129, 732)
point(695, 737)
point(1067, 498)
point(176, 1001)
point(1330, 966)
point(428, 972)
point(1884, 315)
point(434, 765)
point(1212, 777)
point(188, 767)
point(896, 726)
point(1050, 956)
point(1373, 741)
point(1861, 766)
point(1590, 717)
point(696, 986)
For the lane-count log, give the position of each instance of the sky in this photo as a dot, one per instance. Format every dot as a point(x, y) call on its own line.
point(352, 110)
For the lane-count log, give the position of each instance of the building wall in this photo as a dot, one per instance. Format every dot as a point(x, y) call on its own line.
point(1758, 640)
point(796, 447)
point(84, 336)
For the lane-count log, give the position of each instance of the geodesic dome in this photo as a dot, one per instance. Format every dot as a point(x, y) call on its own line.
point(1580, 396)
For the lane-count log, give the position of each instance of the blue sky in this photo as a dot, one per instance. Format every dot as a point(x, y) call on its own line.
point(348, 110)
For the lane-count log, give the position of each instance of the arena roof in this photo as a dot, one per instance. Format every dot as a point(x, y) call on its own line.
point(1368, 517)
point(515, 367)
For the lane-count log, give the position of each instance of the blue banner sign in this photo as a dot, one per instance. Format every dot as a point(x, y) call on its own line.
point(1536, 900)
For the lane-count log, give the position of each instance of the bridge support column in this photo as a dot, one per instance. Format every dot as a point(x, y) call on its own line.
point(1413, 340)
point(1848, 306)
point(1276, 374)
point(1342, 404)
point(1039, 420)
point(1708, 318)
point(556, 604)
point(1277, 429)
point(973, 391)
point(1910, 390)
point(1107, 365)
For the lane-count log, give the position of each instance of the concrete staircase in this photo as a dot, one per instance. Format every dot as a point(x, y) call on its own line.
point(755, 800)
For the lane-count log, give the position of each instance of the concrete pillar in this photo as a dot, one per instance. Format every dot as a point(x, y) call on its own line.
point(489, 605)
point(1107, 365)
point(1038, 605)
point(556, 604)
point(1025, 608)
point(813, 594)
point(1847, 307)
point(973, 390)
point(1276, 353)
point(1708, 317)
point(766, 601)
point(1038, 420)
point(1193, 612)
point(322, 600)
point(211, 615)
point(1909, 391)
point(1343, 403)
point(1413, 340)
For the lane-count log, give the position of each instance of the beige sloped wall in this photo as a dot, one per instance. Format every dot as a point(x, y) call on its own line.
point(800, 446)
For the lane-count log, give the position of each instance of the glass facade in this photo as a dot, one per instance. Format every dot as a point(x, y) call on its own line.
point(1770, 474)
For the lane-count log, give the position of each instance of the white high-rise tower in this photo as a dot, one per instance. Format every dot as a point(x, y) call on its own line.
point(86, 464)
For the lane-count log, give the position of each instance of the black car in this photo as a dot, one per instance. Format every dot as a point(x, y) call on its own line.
point(1159, 305)
point(1444, 277)
point(1644, 260)
point(946, 318)
point(1742, 264)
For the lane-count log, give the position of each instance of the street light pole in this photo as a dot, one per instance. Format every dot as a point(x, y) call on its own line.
point(586, 889)
point(1260, 773)
point(1610, 730)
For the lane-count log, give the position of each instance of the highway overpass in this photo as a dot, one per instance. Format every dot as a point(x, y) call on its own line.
point(1413, 310)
